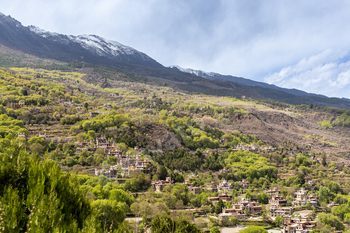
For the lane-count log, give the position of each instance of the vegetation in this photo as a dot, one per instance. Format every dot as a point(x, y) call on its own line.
point(48, 155)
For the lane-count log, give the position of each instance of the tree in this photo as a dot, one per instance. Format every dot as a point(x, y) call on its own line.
point(263, 198)
point(37, 195)
point(166, 224)
point(330, 220)
point(253, 229)
point(92, 134)
point(214, 230)
point(37, 148)
point(219, 206)
point(278, 220)
point(120, 195)
point(108, 214)
point(162, 173)
point(308, 206)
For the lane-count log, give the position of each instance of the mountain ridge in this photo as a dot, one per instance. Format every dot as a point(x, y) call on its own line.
point(243, 81)
point(97, 51)
point(90, 48)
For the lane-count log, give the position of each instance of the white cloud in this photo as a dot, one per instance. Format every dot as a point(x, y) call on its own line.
point(324, 73)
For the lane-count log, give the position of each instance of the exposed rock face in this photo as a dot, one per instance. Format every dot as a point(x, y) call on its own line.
point(164, 139)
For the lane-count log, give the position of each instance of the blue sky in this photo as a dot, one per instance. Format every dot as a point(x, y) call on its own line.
point(294, 44)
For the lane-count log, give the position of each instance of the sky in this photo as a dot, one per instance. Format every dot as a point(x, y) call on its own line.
point(293, 43)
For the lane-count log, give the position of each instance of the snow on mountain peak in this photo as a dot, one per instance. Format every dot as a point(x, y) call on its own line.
point(41, 32)
point(102, 46)
point(191, 71)
point(93, 43)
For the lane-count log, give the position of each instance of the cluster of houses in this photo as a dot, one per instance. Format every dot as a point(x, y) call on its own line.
point(241, 209)
point(297, 224)
point(70, 104)
point(93, 145)
point(158, 185)
point(111, 173)
point(278, 202)
point(126, 164)
point(129, 163)
point(227, 186)
point(302, 198)
point(254, 148)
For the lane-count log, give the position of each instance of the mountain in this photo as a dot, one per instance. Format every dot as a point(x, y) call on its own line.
point(243, 81)
point(99, 53)
point(89, 48)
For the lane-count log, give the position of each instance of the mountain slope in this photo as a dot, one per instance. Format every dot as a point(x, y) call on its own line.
point(89, 48)
point(93, 51)
point(242, 81)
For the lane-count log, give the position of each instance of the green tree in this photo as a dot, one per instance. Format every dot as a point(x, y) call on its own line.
point(162, 173)
point(108, 214)
point(263, 198)
point(253, 229)
point(331, 220)
point(166, 224)
point(214, 230)
point(37, 195)
point(219, 206)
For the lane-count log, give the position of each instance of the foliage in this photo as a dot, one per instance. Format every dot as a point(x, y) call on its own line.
point(108, 214)
point(136, 184)
point(166, 224)
point(179, 159)
point(253, 229)
point(250, 165)
point(331, 220)
point(214, 230)
point(31, 189)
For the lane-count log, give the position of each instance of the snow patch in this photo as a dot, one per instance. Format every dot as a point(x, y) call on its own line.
point(94, 44)
point(195, 72)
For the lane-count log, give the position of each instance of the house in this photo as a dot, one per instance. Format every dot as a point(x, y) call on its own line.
point(21, 135)
point(331, 205)
point(108, 105)
point(194, 190)
point(274, 191)
point(95, 113)
point(225, 186)
point(311, 184)
point(302, 198)
point(278, 200)
point(110, 173)
point(17, 105)
point(279, 211)
point(268, 149)
point(213, 188)
point(297, 225)
point(244, 183)
point(222, 196)
point(160, 184)
point(250, 148)
point(244, 207)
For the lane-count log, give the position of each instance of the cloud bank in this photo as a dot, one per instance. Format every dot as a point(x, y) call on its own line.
point(327, 72)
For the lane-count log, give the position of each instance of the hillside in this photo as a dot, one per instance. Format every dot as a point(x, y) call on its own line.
point(67, 118)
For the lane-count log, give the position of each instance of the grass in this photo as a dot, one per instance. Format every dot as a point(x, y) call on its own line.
point(326, 124)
